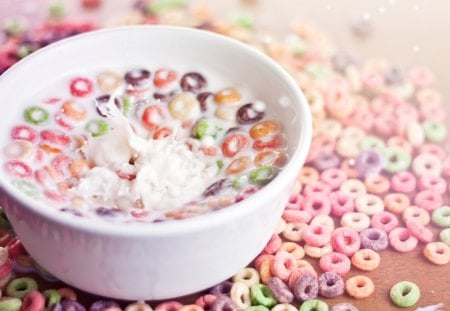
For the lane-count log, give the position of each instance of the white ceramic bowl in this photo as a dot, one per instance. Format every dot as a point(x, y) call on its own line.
point(162, 260)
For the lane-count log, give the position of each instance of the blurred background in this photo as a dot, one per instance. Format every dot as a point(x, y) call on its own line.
point(404, 32)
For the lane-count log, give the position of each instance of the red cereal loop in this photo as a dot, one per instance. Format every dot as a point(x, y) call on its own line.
point(274, 142)
point(164, 77)
point(345, 240)
point(24, 132)
point(56, 137)
point(233, 144)
point(19, 169)
point(15, 248)
point(162, 132)
point(152, 117)
point(81, 87)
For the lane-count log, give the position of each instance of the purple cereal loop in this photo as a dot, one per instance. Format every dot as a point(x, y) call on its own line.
point(343, 306)
point(221, 289)
point(326, 160)
point(306, 287)
point(280, 290)
point(369, 162)
point(100, 305)
point(223, 303)
point(331, 284)
point(192, 82)
point(68, 305)
point(374, 239)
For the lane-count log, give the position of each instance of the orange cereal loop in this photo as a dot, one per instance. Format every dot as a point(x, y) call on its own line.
point(359, 286)
point(437, 252)
point(78, 166)
point(265, 270)
point(376, 184)
point(73, 111)
point(417, 214)
point(366, 259)
point(229, 95)
point(67, 293)
point(307, 175)
point(264, 128)
point(348, 166)
point(270, 157)
point(24, 260)
point(293, 248)
point(49, 149)
point(238, 165)
point(396, 202)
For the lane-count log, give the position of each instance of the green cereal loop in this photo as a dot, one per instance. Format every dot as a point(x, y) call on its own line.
point(15, 26)
point(239, 181)
point(97, 127)
point(36, 115)
point(51, 297)
point(371, 143)
point(27, 187)
point(56, 9)
point(257, 308)
point(126, 104)
point(313, 305)
point(405, 294)
point(434, 131)
point(19, 288)
point(243, 21)
point(159, 6)
point(396, 159)
point(445, 236)
point(316, 70)
point(441, 217)
point(219, 164)
point(262, 175)
point(261, 295)
point(202, 128)
point(10, 304)
point(4, 222)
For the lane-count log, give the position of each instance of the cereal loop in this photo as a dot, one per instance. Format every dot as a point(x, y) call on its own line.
point(359, 286)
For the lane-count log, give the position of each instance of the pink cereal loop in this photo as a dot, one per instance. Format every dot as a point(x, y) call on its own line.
point(205, 301)
point(316, 187)
point(428, 199)
point(295, 202)
point(296, 216)
point(404, 182)
point(273, 245)
point(317, 204)
point(419, 231)
point(345, 240)
point(283, 264)
point(341, 203)
point(385, 221)
point(169, 306)
point(333, 177)
point(317, 235)
point(433, 183)
point(335, 262)
point(402, 240)
point(417, 214)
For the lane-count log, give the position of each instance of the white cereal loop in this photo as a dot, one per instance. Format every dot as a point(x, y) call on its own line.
point(184, 106)
point(227, 113)
point(317, 252)
point(415, 133)
point(248, 276)
point(240, 295)
point(293, 231)
point(348, 147)
point(138, 306)
point(356, 221)
point(315, 100)
point(427, 164)
point(353, 132)
point(329, 128)
point(353, 78)
point(280, 226)
point(369, 204)
point(323, 220)
point(3, 255)
point(353, 188)
point(19, 150)
point(284, 307)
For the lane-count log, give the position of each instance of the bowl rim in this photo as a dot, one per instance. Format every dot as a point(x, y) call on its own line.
point(179, 226)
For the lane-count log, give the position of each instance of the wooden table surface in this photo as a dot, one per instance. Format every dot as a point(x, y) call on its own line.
point(433, 280)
